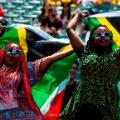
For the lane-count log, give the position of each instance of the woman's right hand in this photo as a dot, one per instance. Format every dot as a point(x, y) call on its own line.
point(83, 14)
point(77, 43)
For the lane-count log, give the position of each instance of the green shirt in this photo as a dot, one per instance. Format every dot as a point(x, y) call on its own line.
point(98, 84)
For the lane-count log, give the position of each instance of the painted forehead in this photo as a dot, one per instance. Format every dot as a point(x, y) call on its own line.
point(13, 45)
point(102, 29)
point(14, 49)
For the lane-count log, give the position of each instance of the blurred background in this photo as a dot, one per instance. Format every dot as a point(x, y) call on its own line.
point(27, 11)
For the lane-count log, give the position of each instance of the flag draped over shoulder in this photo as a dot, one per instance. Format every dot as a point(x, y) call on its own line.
point(48, 93)
point(112, 21)
point(32, 37)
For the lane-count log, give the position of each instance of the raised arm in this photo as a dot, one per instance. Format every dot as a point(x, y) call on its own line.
point(75, 40)
point(46, 61)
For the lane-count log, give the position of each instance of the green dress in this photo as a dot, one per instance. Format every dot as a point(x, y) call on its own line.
point(98, 86)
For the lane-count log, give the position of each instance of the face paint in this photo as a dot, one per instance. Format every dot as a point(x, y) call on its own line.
point(13, 53)
point(102, 33)
point(13, 50)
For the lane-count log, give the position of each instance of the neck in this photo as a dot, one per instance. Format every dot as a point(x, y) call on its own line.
point(101, 50)
point(52, 19)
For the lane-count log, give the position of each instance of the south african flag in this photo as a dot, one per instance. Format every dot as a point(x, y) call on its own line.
point(48, 93)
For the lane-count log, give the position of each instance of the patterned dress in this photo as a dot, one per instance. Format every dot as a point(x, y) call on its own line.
point(9, 108)
point(98, 86)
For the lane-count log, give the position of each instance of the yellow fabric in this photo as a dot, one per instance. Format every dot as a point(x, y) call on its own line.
point(116, 35)
point(22, 40)
point(67, 47)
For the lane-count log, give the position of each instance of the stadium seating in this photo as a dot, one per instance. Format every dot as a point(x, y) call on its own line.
point(26, 11)
point(22, 11)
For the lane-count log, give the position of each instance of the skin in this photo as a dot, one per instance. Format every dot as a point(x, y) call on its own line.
point(11, 59)
point(103, 40)
point(52, 30)
point(76, 42)
point(2, 30)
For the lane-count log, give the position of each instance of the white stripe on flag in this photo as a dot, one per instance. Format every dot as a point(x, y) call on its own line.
point(58, 89)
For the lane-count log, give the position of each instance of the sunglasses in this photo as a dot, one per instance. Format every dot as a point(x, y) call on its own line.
point(13, 51)
point(102, 34)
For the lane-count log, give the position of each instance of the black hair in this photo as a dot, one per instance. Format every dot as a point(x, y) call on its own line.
point(3, 21)
point(69, 10)
point(90, 47)
point(51, 8)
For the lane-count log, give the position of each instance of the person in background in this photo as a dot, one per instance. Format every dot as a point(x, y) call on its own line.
point(66, 13)
point(44, 12)
point(96, 96)
point(2, 29)
point(51, 23)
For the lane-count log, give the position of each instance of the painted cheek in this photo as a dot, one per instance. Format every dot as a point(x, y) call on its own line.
point(97, 40)
point(12, 56)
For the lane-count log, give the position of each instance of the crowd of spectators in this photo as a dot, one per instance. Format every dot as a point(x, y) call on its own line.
point(54, 21)
point(51, 23)
point(57, 16)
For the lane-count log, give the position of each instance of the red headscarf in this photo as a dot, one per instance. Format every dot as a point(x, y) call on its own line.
point(26, 83)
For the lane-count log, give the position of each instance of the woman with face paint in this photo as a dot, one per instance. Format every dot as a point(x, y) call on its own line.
point(96, 96)
point(16, 78)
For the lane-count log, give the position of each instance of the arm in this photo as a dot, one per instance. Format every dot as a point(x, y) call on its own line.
point(46, 61)
point(2, 29)
point(75, 40)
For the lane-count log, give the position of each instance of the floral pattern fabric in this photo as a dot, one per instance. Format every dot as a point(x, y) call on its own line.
point(14, 112)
